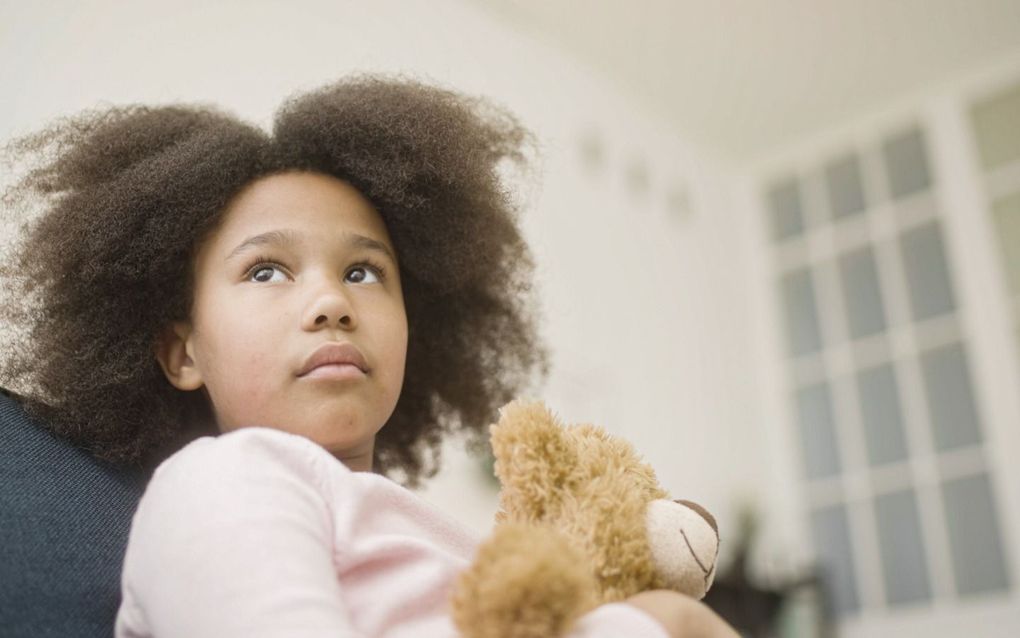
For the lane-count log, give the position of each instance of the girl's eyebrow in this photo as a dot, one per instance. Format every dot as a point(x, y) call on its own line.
point(288, 237)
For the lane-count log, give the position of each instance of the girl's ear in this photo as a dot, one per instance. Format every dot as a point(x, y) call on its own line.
point(174, 350)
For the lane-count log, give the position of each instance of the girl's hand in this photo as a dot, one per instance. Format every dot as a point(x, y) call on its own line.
point(682, 616)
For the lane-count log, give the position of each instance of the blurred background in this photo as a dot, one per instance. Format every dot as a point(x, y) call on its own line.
point(778, 249)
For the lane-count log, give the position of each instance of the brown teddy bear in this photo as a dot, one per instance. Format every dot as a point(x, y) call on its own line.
point(582, 521)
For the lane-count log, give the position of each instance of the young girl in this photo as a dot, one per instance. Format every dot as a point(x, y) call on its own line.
point(331, 299)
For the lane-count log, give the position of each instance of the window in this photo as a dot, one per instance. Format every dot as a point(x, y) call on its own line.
point(881, 389)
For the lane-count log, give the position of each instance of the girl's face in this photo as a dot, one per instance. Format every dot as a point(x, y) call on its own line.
point(300, 261)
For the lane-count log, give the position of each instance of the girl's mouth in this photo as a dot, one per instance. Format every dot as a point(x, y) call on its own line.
point(335, 372)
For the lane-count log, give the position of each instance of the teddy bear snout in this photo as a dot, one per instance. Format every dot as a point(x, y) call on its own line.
point(701, 510)
point(684, 541)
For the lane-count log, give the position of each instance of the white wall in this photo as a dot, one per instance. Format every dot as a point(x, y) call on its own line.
point(643, 287)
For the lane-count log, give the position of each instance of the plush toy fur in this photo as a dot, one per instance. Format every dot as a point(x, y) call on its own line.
point(582, 521)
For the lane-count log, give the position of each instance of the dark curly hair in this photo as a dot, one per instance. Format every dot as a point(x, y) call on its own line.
point(128, 194)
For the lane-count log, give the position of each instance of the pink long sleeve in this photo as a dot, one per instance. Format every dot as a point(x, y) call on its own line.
point(262, 534)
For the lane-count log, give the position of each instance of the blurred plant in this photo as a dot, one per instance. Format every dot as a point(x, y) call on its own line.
point(793, 605)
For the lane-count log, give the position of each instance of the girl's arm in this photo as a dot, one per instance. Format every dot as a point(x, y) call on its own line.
point(653, 614)
point(233, 540)
point(682, 616)
point(618, 620)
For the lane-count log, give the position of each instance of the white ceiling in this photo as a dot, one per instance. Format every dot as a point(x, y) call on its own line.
point(741, 77)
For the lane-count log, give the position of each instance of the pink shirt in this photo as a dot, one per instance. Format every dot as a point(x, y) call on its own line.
point(259, 533)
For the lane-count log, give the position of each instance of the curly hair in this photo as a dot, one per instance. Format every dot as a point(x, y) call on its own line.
point(128, 194)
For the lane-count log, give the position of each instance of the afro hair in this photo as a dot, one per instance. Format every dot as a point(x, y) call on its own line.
point(124, 196)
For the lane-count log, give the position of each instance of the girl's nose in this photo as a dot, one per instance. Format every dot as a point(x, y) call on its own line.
point(329, 308)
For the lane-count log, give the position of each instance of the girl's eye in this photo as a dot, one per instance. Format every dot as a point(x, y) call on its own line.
point(263, 273)
point(364, 275)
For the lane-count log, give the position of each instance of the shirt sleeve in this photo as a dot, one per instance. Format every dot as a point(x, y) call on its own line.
point(617, 620)
point(234, 537)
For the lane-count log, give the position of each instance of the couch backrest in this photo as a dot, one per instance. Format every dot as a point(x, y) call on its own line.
point(64, 522)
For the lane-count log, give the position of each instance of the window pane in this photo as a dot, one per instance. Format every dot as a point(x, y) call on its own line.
point(906, 164)
point(881, 415)
point(785, 210)
point(978, 560)
point(865, 312)
point(846, 193)
point(904, 567)
point(835, 556)
point(803, 334)
point(1007, 222)
point(951, 407)
point(817, 431)
point(995, 126)
point(924, 263)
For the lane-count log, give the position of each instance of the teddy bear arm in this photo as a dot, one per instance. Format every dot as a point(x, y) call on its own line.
point(526, 581)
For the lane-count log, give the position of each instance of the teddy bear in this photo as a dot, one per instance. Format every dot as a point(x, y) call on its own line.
point(582, 521)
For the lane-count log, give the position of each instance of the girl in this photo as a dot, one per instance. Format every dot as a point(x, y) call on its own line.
point(332, 299)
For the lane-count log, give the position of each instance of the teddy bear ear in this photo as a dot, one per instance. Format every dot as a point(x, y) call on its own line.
point(530, 444)
point(520, 406)
point(515, 411)
point(526, 414)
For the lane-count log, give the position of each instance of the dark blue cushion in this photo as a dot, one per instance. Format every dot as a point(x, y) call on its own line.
point(64, 522)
